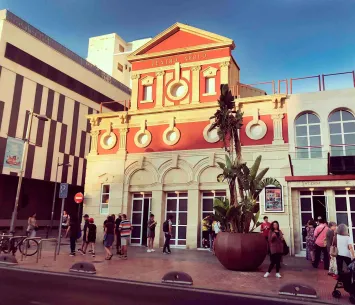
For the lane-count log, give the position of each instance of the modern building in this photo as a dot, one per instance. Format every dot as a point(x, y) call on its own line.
point(39, 73)
point(159, 156)
point(109, 53)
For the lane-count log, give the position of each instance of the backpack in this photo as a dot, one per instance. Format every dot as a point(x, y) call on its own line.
point(166, 226)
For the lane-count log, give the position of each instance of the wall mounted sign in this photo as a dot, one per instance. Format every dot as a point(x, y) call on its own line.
point(273, 200)
point(179, 58)
point(13, 153)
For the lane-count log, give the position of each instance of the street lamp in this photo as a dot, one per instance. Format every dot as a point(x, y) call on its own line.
point(24, 159)
point(55, 191)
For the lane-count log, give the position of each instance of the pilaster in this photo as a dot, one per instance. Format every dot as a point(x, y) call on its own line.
point(134, 97)
point(196, 84)
point(159, 89)
point(224, 72)
point(94, 141)
point(277, 121)
point(192, 217)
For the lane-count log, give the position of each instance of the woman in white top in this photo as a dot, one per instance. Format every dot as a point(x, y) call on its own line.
point(345, 247)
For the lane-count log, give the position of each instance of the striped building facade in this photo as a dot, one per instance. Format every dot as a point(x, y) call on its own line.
point(38, 73)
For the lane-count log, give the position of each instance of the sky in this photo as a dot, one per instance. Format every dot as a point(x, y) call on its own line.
point(275, 39)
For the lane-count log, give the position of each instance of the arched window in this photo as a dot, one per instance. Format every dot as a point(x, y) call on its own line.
point(308, 136)
point(342, 133)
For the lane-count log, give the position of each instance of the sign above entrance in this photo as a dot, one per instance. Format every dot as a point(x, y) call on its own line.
point(166, 61)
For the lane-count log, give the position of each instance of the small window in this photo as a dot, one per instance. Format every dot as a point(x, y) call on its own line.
point(119, 67)
point(105, 199)
point(147, 94)
point(210, 85)
point(125, 67)
point(129, 70)
point(121, 48)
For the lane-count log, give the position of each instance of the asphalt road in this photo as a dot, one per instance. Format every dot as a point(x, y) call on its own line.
point(22, 287)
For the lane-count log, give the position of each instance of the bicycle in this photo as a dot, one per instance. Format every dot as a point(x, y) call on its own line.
point(14, 243)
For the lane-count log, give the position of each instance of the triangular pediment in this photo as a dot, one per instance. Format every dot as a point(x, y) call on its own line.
point(180, 38)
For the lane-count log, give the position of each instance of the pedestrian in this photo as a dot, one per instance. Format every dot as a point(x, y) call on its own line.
point(90, 237)
point(216, 226)
point(109, 237)
point(276, 246)
point(73, 231)
point(310, 240)
point(167, 229)
point(151, 233)
point(32, 226)
point(210, 232)
point(333, 270)
point(118, 234)
point(345, 247)
point(265, 230)
point(206, 225)
point(125, 229)
point(320, 234)
point(85, 231)
point(65, 223)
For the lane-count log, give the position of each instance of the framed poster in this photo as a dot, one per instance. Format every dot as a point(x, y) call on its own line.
point(273, 200)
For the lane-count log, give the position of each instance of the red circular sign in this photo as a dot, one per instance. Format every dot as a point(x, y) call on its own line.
point(79, 197)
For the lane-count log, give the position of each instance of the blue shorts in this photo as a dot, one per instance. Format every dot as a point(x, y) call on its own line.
point(108, 240)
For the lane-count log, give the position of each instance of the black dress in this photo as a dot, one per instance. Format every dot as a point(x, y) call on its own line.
point(92, 233)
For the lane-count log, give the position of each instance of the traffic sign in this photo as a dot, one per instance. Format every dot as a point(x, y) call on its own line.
point(79, 197)
point(63, 190)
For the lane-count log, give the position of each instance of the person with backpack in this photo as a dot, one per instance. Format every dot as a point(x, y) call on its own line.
point(167, 229)
point(320, 235)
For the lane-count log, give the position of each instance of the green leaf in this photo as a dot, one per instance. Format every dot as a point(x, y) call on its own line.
point(255, 168)
point(228, 162)
point(220, 211)
point(220, 178)
point(260, 176)
point(221, 165)
point(256, 217)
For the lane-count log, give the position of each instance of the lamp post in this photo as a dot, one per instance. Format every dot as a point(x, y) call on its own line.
point(24, 159)
point(55, 191)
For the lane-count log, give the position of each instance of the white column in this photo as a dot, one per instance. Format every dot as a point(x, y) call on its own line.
point(159, 89)
point(94, 141)
point(158, 209)
point(123, 140)
point(277, 120)
point(192, 217)
point(224, 72)
point(134, 96)
point(196, 84)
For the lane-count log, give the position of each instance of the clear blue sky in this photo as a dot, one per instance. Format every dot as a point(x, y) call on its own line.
point(275, 39)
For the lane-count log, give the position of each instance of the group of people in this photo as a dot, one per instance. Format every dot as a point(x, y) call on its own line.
point(210, 228)
point(320, 237)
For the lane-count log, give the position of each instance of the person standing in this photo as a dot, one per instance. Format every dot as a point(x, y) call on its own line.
point(265, 228)
point(216, 226)
point(90, 237)
point(310, 240)
point(151, 233)
point(85, 231)
point(65, 223)
point(320, 234)
point(206, 225)
point(73, 231)
point(109, 237)
point(32, 226)
point(276, 246)
point(345, 247)
point(168, 229)
point(125, 229)
point(118, 235)
point(333, 270)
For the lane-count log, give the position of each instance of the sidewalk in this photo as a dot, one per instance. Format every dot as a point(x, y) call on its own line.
point(202, 266)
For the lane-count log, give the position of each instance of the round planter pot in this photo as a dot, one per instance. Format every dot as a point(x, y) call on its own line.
point(240, 252)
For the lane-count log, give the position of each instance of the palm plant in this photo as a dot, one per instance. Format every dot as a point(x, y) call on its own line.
point(237, 213)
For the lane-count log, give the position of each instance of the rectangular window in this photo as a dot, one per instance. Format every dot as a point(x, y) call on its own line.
point(148, 93)
point(345, 210)
point(119, 67)
point(210, 85)
point(121, 48)
point(125, 67)
point(105, 199)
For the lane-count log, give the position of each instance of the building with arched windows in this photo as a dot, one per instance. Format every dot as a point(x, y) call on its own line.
point(159, 157)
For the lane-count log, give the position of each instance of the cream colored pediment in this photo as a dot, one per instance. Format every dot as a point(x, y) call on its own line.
point(106, 178)
point(148, 80)
point(210, 72)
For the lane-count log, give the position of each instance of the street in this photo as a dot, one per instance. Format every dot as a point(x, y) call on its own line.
point(44, 288)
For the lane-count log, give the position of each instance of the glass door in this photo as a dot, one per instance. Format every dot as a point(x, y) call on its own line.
point(345, 209)
point(176, 205)
point(141, 205)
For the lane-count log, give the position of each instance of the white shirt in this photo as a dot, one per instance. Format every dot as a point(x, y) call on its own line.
point(343, 243)
point(216, 227)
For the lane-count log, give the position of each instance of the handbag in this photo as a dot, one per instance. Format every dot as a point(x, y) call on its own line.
point(286, 248)
point(333, 248)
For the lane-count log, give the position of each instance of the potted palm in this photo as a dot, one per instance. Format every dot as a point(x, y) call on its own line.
point(237, 248)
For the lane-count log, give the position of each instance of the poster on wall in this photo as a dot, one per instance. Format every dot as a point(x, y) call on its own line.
point(13, 153)
point(273, 200)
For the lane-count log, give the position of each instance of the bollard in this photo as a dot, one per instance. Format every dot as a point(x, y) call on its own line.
point(176, 277)
point(8, 259)
point(298, 290)
point(83, 267)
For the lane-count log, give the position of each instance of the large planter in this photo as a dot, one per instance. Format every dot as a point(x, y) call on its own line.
point(240, 252)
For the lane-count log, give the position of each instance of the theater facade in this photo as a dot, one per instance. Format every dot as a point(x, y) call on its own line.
point(159, 157)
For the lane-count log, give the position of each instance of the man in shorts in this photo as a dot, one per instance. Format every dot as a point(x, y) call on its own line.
point(125, 230)
point(86, 224)
point(151, 233)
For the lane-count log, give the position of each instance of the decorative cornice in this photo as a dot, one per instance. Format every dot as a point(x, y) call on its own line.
point(135, 76)
point(225, 64)
point(160, 73)
point(196, 68)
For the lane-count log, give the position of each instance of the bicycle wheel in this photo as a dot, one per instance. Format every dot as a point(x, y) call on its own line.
point(32, 248)
point(5, 246)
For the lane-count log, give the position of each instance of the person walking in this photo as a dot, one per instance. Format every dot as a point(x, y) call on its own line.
point(73, 231)
point(65, 223)
point(167, 229)
point(32, 226)
point(310, 240)
point(216, 226)
point(151, 233)
point(206, 225)
point(118, 235)
point(125, 229)
point(85, 232)
point(276, 246)
point(90, 237)
point(345, 247)
point(333, 270)
point(109, 237)
point(320, 234)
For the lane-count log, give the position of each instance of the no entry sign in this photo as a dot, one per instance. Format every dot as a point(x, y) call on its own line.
point(79, 197)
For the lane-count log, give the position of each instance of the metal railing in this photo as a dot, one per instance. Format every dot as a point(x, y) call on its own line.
point(25, 242)
point(40, 245)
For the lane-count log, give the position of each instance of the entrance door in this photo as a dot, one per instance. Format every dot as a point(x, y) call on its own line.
point(312, 205)
point(345, 209)
point(176, 205)
point(141, 205)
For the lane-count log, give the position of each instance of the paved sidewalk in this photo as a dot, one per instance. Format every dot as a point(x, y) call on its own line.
point(203, 267)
